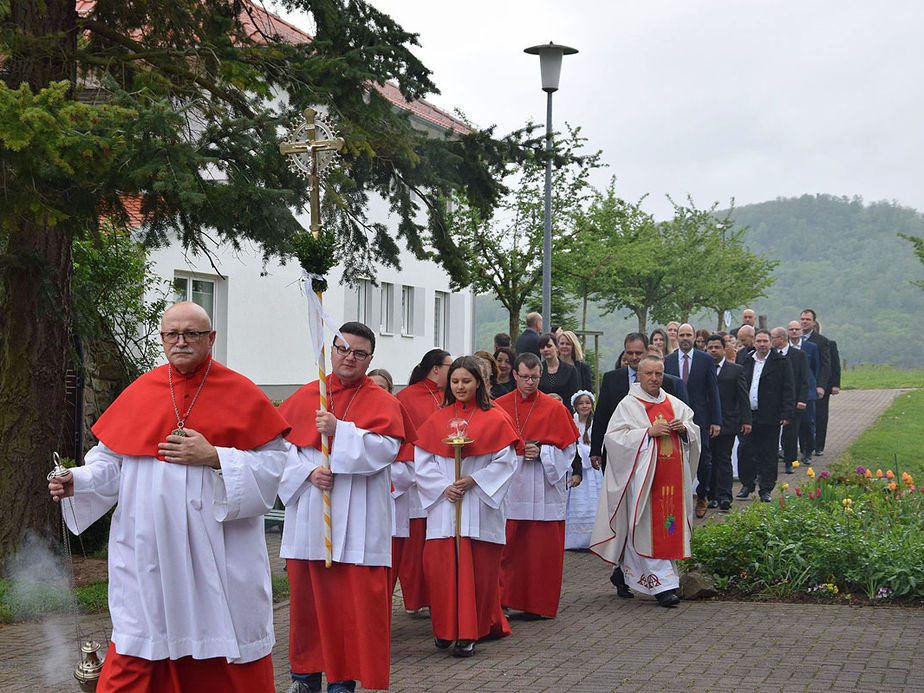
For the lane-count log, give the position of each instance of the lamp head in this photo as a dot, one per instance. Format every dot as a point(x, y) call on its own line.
point(550, 55)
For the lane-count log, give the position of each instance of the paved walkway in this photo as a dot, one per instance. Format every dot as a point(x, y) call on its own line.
point(600, 643)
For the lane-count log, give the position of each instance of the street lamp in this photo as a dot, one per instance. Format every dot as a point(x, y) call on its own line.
point(550, 56)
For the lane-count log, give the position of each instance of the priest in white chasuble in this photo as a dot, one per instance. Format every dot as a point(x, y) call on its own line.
point(645, 515)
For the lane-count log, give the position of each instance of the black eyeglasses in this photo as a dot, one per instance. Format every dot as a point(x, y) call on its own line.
point(188, 337)
point(358, 355)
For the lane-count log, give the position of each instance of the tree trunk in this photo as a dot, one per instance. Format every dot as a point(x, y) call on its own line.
point(35, 305)
point(584, 316)
point(35, 299)
point(642, 315)
point(513, 324)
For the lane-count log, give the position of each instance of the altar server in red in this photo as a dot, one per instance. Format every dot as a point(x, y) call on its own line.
point(191, 455)
point(462, 561)
point(531, 567)
point(340, 617)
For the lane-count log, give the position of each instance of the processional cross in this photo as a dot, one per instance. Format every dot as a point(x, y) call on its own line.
point(311, 151)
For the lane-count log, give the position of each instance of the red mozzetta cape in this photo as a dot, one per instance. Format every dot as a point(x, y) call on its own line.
point(489, 430)
point(421, 399)
point(231, 412)
point(539, 417)
point(372, 409)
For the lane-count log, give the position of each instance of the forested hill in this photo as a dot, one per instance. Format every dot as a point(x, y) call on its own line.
point(844, 259)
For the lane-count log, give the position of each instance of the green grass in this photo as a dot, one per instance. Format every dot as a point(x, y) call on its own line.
point(872, 376)
point(895, 441)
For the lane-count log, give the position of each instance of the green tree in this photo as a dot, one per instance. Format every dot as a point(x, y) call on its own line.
point(503, 249)
point(182, 104)
point(918, 244)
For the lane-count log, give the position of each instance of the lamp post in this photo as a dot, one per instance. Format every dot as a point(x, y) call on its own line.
point(550, 56)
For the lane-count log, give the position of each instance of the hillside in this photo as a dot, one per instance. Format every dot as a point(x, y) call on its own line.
point(837, 255)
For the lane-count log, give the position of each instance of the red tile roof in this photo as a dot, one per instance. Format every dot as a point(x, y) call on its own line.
point(259, 22)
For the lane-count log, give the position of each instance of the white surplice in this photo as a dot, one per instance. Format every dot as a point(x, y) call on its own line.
point(361, 505)
point(402, 480)
point(189, 574)
point(483, 506)
point(581, 508)
point(540, 487)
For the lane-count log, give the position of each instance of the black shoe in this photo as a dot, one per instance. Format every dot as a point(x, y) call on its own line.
point(819, 453)
point(464, 648)
point(712, 504)
point(745, 492)
point(619, 582)
point(790, 469)
point(442, 644)
point(764, 496)
point(725, 505)
point(667, 599)
point(807, 460)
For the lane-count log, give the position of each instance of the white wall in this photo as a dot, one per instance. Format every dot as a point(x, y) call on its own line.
point(261, 318)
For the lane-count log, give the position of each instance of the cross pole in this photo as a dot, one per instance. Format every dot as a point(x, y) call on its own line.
point(311, 146)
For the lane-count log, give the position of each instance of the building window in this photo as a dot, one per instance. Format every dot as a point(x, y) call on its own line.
point(199, 291)
point(387, 313)
point(363, 300)
point(440, 319)
point(407, 310)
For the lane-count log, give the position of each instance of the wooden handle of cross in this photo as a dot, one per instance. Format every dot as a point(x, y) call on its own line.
point(325, 459)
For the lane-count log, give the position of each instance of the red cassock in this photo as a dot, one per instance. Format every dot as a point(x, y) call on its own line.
point(531, 567)
point(420, 400)
point(340, 617)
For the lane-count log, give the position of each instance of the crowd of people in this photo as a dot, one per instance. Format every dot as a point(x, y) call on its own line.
point(466, 486)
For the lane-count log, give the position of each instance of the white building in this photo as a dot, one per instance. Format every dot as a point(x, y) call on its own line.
point(260, 313)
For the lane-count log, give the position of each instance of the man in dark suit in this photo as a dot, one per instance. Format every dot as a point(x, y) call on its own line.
point(615, 386)
point(697, 370)
point(770, 395)
point(528, 341)
point(736, 417)
point(807, 421)
point(798, 363)
point(810, 333)
point(745, 344)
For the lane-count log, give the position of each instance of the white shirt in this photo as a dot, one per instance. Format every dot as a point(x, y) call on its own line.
point(360, 500)
point(188, 570)
point(755, 380)
point(718, 366)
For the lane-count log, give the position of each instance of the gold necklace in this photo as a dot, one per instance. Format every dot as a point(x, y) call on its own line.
point(178, 431)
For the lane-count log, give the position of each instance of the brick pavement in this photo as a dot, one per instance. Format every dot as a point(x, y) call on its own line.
point(601, 643)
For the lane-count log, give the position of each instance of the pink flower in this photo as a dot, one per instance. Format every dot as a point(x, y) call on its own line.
point(825, 474)
point(782, 502)
point(861, 470)
point(817, 493)
point(798, 491)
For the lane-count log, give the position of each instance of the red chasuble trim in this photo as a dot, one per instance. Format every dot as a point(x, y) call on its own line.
point(540, 418)
point(364, 403)
point(489, 430)
point(230, 411)
point(667, 514)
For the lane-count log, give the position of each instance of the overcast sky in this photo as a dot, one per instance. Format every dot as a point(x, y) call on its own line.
point(715, 98)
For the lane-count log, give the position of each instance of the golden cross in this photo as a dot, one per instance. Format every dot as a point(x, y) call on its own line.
point(311, 146)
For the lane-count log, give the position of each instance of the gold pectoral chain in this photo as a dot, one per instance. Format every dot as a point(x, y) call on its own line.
point(178, 431)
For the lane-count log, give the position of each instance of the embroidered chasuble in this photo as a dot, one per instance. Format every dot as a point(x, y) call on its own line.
point(667, 512)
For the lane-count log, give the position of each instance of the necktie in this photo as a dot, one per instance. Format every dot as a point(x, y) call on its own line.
point(685, 374)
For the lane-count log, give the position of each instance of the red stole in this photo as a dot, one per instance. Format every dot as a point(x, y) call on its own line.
point(489, 430)
point(539, 417)
point(421, 399)
point(230, 411)
point(667, 513)
point(363, 402)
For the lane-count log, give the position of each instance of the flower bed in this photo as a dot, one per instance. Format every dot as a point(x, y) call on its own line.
point(827, 538)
